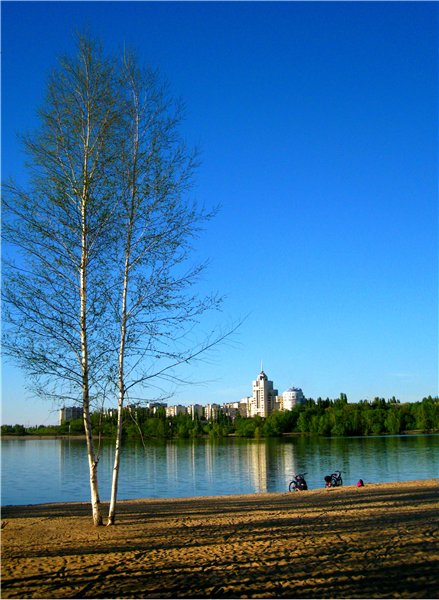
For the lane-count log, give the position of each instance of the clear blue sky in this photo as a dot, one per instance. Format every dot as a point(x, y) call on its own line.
point(318, 125)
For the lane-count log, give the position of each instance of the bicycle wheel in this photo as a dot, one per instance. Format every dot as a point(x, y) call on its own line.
point(292, 487)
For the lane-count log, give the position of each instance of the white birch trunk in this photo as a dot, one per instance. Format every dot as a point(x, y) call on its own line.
point(115, 477)
point(124, 317)
point(91, 453)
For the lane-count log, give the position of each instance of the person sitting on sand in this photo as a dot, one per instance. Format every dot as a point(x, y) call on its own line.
point(328, 481)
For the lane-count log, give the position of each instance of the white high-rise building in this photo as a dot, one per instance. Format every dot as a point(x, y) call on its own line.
point(196, 410)
point(292, 397)
point(178, 409)
point(264, 396)
point(70, 413)
point(212, 411)
point(231, 409)
point(244, 406)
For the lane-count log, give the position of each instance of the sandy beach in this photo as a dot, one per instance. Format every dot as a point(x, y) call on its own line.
point(380, 541)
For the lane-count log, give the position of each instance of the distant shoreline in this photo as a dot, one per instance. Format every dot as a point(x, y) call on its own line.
point(32, 436)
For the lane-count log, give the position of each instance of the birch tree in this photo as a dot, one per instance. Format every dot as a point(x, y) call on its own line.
point(99, 300)
point(59, 232)
point(157, 226)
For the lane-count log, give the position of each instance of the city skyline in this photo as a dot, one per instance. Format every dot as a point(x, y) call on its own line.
point(265, 399)
point(317, 124)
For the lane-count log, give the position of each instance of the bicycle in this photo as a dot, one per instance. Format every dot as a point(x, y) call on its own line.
point(298, 484)
point(334, 480)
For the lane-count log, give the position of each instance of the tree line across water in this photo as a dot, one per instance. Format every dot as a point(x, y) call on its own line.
point(321, 417)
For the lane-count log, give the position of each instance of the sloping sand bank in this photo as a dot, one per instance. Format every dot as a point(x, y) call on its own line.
point(380, 541)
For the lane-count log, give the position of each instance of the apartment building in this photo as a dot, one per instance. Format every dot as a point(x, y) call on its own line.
point(292, 397)
point(212, 411)
point(178, 409)
point(155, 406)
point(263, 400)
point(196, 410)
point(69, 413)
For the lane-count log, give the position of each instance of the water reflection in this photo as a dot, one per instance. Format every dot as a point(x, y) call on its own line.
point(35, 471)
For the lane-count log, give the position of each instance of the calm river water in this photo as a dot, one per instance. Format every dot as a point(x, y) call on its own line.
point(35, 471)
